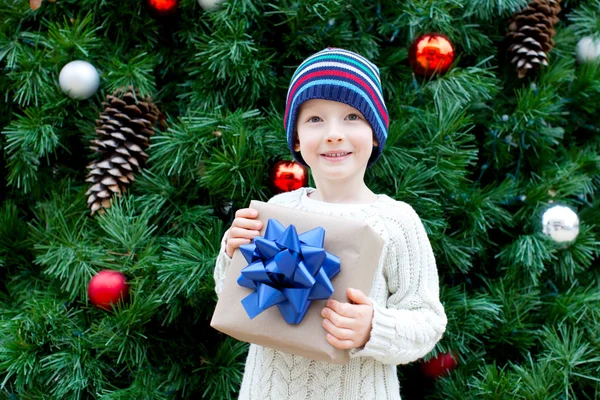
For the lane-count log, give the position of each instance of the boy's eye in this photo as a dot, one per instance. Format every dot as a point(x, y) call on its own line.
point(353, 117)
point(315, 119)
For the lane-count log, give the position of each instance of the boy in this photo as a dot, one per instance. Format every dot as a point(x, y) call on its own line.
point(336, 123)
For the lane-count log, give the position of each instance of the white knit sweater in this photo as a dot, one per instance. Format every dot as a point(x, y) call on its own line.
point(408, 317)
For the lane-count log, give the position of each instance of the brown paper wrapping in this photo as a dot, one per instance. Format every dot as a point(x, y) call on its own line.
point(356, 244)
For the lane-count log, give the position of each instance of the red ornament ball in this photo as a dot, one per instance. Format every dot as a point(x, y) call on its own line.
point(431, 53)
point(163, 8)
point(107, 287)
point(288, 175)
point(439, 366)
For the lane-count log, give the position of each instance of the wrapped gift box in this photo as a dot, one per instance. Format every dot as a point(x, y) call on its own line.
point(358, 248)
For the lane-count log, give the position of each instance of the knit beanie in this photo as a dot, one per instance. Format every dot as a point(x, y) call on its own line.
point(338, 75)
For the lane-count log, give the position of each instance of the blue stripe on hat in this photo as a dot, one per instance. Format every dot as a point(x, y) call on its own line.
point(341, 65)
point(343, 83)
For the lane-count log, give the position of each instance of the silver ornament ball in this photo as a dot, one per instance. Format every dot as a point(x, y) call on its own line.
point(79, 80)
point(210, 5)
point(560, 223)
point(588, 49)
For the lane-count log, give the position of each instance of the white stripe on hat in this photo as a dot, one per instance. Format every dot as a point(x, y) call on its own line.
point(342, 65)
point(347, 53)
point(342, 52)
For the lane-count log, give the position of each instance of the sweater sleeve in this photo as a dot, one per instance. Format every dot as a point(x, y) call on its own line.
point(221, 265)
point(413, 319)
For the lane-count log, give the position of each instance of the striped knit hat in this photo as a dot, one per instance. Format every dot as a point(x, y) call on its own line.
point(338, 75)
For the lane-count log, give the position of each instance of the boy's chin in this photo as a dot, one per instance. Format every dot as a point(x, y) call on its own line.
point(336, 172)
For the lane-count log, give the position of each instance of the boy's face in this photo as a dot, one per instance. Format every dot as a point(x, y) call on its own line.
point(335, 140)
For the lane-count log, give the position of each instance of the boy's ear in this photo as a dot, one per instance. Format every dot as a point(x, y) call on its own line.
point(296, 143)
point(375, 142)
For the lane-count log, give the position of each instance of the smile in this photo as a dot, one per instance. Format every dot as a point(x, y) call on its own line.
point(336, 157)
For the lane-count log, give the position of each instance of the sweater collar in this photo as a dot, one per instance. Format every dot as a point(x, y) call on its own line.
point(313, 204)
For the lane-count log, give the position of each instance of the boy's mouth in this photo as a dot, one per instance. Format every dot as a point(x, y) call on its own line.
point(336, 156)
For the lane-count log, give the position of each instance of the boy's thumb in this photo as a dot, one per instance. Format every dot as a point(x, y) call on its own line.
point(358, 297)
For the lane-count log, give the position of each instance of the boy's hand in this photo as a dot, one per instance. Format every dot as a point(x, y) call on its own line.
point(244, 228)
point(349, 325)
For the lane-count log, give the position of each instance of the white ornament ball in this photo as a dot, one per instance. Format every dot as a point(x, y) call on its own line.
point(560, 223)
point(588, 49)
point(210, 5)
point(79, 80)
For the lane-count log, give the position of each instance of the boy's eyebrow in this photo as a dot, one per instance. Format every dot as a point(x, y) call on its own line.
point(306, 107)
point(308, 110)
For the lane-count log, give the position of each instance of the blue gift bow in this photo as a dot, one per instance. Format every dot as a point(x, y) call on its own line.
point(287, 270)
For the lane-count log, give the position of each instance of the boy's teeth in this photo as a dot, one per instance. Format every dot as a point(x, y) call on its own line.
point(335, 154)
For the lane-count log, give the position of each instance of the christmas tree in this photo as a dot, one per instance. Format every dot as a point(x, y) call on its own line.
point(136, 160)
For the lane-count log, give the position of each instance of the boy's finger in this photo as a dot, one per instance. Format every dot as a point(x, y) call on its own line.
point(337, 319)
point(358, 297)
point(340, 333)
point(340, 344)
point(234, 243)
point(247, 223)
point(237, 233)
point(246, 213)
point(344, 309)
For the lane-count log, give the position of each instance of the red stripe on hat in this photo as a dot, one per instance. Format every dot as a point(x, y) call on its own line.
point(342, 74)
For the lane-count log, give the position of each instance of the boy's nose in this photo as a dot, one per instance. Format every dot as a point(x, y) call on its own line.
point(333, 134)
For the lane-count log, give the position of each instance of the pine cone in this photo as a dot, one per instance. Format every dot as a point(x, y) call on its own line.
point(124, 131)
point(530, 34)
